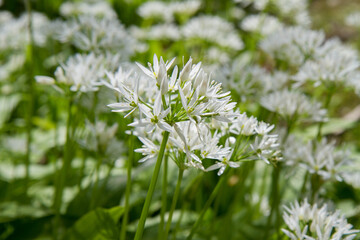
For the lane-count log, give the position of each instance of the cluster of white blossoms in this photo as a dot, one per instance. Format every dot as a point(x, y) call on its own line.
point(166, 12)
point(261, 23)
point(195, 112)
point(331, 63)
point(294, 10)
point(305, 221)
point(161, 32)
point(319, 157)
point(293, 105)
point(213, 29)
point(293, 44)
point(323, 62)
point(251, 81)
point(101, 9)
point(353, 19)
point(14, 39)
point(89, 33)
point(83, 72)
point(14, 34)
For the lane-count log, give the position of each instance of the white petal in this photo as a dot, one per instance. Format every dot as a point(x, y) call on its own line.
point(145, 70)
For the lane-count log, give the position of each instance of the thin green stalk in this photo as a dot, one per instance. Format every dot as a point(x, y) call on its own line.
point(99, 153)
point(185, 205)
point(275, 201)
point(205, 208)
point(30, 93)
point(316, 183)
point(144, 213)
point(173, 204)
point(95, 194)
point(275, 193)
point(163, 197)
point(82, 170)
point(128, 188)
point(59, 188)
point(327, 104)
point(303, 187)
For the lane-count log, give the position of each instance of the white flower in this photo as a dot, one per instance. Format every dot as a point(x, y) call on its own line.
point(158, 72)
point(45, 80)
point(163, 32)
point(223, 163)
point(213, 29)
point(296, 10)
point(266, 148)
point(291, 104)
point(333, 63)
point(293, 44)
point(353, 19)
point(166, 12)
point(261, 23)
point(149, 149)
point(322, 158)
point(311, 222)
point(156, 10)
point(263, 128)
point(14, 34)
point(244, 125)
point(130, 99)
point(83, 72)
point(154, 117)
point(90, 33)
point(99, 9)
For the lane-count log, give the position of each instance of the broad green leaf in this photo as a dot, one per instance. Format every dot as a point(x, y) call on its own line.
point(99, 224)
point(7, 105)
point(333, 126)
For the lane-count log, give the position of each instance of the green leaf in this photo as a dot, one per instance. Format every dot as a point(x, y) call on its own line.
point(7, 105)
point(333, 126)
point(99, 224)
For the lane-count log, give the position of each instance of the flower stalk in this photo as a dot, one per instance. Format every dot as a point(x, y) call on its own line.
point(144, 213)
point(128, 188)
point(174, 201)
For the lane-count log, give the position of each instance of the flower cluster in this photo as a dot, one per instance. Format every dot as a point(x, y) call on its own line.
point(319, 157)
point(166, 12)
point(195, 112)
point(261, 23)
point(214, 30)
point(353, 19)
point(89, 33)
point(101, 9)
point(293, 105)
point(305, 221)
point(293, 44)
point(83, 72)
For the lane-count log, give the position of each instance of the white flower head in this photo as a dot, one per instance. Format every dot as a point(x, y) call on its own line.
point(305, 221)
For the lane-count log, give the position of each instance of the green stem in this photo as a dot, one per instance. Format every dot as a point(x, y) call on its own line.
point(144, 213)
point(30, 93)
point(173, 204)
point(179, 220)
point(95, 194)
point(207, 205)
point(128, 188)
point(163, 197)
point(316, 183)
point(327, 104)
point(82, 170)
point(303, 187)
point(66, 164)
point(275, 201)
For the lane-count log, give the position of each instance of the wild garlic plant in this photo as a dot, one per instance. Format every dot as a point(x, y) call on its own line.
point(185, 115)
point(105, 144)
